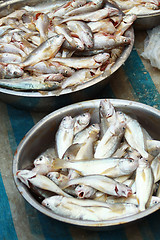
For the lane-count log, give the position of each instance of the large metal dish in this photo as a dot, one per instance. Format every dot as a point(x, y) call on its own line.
point(147, 21)
point(49, 101)
point(41, 137)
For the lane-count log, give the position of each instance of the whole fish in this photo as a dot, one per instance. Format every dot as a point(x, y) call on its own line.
point(44, 7)
point(46, 50)
point(111, 167)
point(78, 77)
point(84, 191)
point(43, 82)
point(94, 16)
point(144, 183)
point(110, 140)
point(49, 67)
point(10, 58)
point(94, 213)
point(83, 31)
point(11, 48)
point(42, 24)
point(10, 71)
point(39, 181)
point(64, 135)
point(81, 122)
point(101, 183)
point(88, 7)
point(84, 62)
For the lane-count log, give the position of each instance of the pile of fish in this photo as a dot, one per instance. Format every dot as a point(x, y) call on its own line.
point(138, 7)
point(97, 171)
point(60, 45)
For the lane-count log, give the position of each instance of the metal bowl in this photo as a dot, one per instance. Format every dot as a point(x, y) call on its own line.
point(37, 101)
point(41, 137)
point(147, 21)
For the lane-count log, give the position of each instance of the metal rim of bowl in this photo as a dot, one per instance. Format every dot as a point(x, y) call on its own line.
point(23, 189)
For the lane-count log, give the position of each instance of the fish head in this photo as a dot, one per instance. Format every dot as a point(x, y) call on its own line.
point(84, 119)
point(51, 202)
point(83, 191)
point(128, 165)
point(41, 160)
point(67, 122)
point(123, 190)
point(13, 70)
point(53, 176)
point(143, 162)
point(25, 175)
point(106, 109)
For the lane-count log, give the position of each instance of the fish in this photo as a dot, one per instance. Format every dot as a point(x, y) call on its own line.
point(49, 67)
point(83, 62)
point(81, 122)
point(78, 77)
point(42, 24)
point(10, 71)
point(57, 178)
point(64, 135)
point(88, 7)
point(83, 31)
point(104, 25)
point(43, 165)
point(11, 48)
point(44, 51)
point(78, 45)
point(95, 213)
point(153, 146)
point(17, 14)
point(10, 58)
point(144, 183)
point(121, 151)
point(125, 24)
point(4, 29)
point(84, 191)
point(44, 7)
point(39, 181)
point(111, 167)
point(101, 183)
point(43, 82)
point(155, 165)
point(93, 16)
point(110, 140)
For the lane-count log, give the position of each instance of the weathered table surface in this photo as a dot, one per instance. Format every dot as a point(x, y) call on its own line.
point(136, 80)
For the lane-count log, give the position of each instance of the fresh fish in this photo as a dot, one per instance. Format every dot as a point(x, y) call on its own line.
point(83, 191)
point(44, 7)
point(86, 62)
point(153, 147)
point(144, 183)
point(4, 29)
point(95, 15)
point(155, 165)
point(88, 7)
point(110, 141)
point(75, 211)
point(43, 82)
point(101, 183)
point(57, 178)
point(11, 48)
point(62, 29)
point(105, 41)
point(134, 136)
point(82, 136)
point(45, 51)
point(121, 150)
point(49, 67)
point(115, 53)
point(39, 181)
point(104, 25)
point(125, 24)
point(64, 135)
point(78, 45)
point(42, 24)
point(111, 167)
point(81, 122)
point(83, 31)
point(67, 7)
point(16, 15)
point(43, 165)
point(10, 58)
point(78, 77)
point(10, 71)
point(67, 53)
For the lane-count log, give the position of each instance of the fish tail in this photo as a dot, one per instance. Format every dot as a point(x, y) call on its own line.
point(59, 163)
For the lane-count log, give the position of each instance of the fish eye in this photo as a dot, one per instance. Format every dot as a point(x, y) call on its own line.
point(130, 160)
point(41, 158)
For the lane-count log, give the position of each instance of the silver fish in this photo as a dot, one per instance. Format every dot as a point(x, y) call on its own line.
point(10, 58)
point(79, 45)
point(11, 48)
point(10, 71)
point(81, 122)
point(111, 167)
point(39, 181)
point(64, 135)
point(4, 29)
point(46, 50)
point(101, 183)
point(83, 31)
point(153, 146)
point(43, 82)
point(83, 191)
point(125, 24)
point(16, 15)
point(104, 25)
point(144, 183)
point(155, 165)
point(42, 24)
point(87, 62)
point(57, 177)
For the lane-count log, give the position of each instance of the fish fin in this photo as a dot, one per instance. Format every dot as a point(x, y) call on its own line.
point(107, 171)
point(58, 163)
